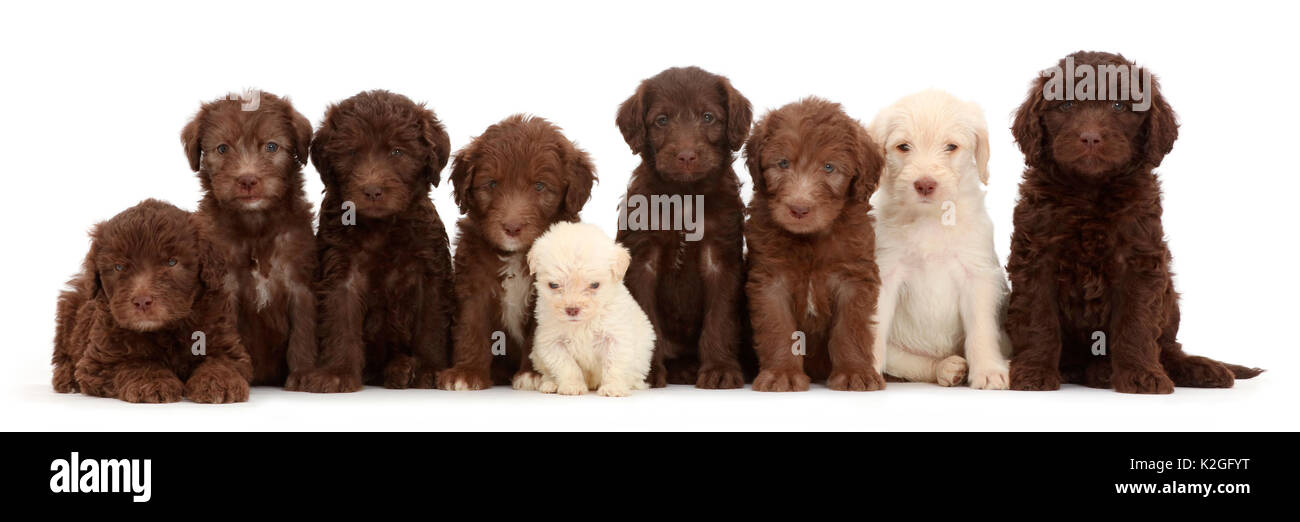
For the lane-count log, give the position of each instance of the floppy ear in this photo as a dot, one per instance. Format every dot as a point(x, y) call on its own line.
point(192, 140)
point(317, 153)
point(753, 156)
point(88, 282)
point(301, 133)
point(1028, 125)
point(982, 150)
point(581, 176)
point(631, 120)
point(870, 163)
point(739, 116)
point(212, 267)
point(435, 136)
point(622, 258)
point(1160, 129)
point(462, 171)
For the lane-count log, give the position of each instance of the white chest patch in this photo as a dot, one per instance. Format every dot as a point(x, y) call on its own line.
point(262, 286)
point(812, 304)
point(516, 286)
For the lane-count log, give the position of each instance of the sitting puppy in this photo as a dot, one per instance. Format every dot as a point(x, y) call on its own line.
point(385, 265)
point(942, 289)
point(813, 281)
point(514, 181)
point(591, 334)
point(1089, 265)
point(687, 124)
point(147, 320)
point(249, 155)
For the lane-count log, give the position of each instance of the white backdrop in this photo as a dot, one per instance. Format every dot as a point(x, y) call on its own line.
point(95, 95)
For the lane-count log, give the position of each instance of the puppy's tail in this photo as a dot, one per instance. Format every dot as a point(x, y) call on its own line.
point(1242, 372)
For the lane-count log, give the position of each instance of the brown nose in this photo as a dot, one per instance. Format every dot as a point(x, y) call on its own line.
point(142, 303)
point(372, 192)
point(1090, 139)
point(686, 158)
point(512, 229)
point(925, 186)
point(247, 182)
point(799, 211)
point(572, 311)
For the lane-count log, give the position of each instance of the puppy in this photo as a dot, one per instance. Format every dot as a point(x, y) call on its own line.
point(512, 182)
point(1092, 296)
point(942, 288)
point(591, 334)
point(813, 281)
point(385, 265)
point(147, 319)
point(687, 124)
point(249, 152)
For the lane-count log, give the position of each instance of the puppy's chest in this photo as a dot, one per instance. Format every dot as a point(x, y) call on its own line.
point(516, 294)
point(260, 273)
point(1093, 251)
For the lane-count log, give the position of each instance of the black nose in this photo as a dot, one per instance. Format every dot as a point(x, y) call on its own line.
point(1090, 139)
point(372, 192)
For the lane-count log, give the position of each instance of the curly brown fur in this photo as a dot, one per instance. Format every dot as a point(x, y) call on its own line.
point(812, 269)
point(1088, 252)
point(687, 124)
point(512, 182)
point(385, 267)
point(127, 328)
point(249, 163)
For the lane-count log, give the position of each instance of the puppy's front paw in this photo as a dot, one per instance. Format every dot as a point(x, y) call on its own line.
point(547, 386)
point(1034, 378)
point(613, 389)
point(399, 373)
point(781, 381)
point(425, 378)
point(331, 380)
point(951, 371)
point(715, 378)
point(526, 381)
point(216, 385)
point(152, 390)
point(64, 382)
point(1142, 380)
point(856, 380)
point(989, 376)
point(571, 388)
point(456, 379)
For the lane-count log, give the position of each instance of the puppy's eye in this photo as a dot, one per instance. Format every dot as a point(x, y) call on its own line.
point(1119, 107)
point(828, 168)
point(661, 120)
point(708, 117)
point(903, 147)
point(951, 147)
point(784, 163)
point(1065, 107)
point(396, 153)
point(223, 148)
point(553, 285)
point(539, 186)
point(171, 262)
point(119, 267)
point(595, 286)
point(272, 147)
point(491, 184)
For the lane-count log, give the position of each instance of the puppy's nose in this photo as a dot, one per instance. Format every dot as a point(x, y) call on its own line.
point(572, 311)
point(1090, 139)
point(799, 211)
point(686, 158)
point(247, 182)
point(372, 192)
point(925, 186)
point(142, 303)
point(512, 229)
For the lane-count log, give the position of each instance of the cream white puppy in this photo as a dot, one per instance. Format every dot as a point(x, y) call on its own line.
point(943, 291)
point(591, 334)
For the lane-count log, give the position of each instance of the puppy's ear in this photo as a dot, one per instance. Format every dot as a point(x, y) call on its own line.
point(435, 137)
point(192, 139)
point(212, 267)
point(631, 120)
point(1160, 129)
point(739, 115)
point(754, 156)
point(301, 134)
point(622, 259)
point(87, 282)
point(982, 149)
point(870, 162)
point(318, 156)
point(581, 176)
point(462, 174)
point(1028, 125)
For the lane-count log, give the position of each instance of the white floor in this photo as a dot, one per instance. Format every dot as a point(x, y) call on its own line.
point(1255, 405)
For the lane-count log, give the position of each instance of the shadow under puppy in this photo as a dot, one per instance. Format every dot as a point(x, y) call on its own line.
point(147, 320)
point(942, 292)
point(513, 182)
point(1088, 254)
point(249, 155)
point(591, 333)
point(687, 124)
point(384, 287)
point(813, 280)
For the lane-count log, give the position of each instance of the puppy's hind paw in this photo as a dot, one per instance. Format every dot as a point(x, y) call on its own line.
point(526, 381)
point(1142, 380)
point(1199, 372)
point(1033, 378)
point(990, 377)
point(951, 371)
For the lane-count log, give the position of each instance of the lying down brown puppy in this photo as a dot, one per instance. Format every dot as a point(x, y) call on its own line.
point(144, 321)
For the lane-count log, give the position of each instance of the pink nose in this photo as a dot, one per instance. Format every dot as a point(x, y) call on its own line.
point(686, 158)
point(372, 192)
point(572, 311)
point(247, 182)
point(512, 229)
point(799, 211)
point(1090, 139)
point(142, 303)
point(925, 186)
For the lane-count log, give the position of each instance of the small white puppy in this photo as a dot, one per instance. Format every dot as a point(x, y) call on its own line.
point(943, 291)
point(591, 334)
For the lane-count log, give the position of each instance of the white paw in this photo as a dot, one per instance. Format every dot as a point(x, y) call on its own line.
point(989, 377)
point(547, 386)
point(526, 381)
point(951, 371)
point(613, 390)
point(640, 384)
point(571, 388)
